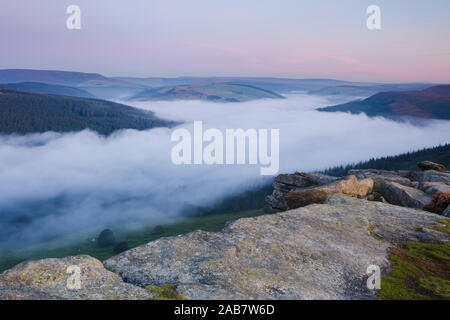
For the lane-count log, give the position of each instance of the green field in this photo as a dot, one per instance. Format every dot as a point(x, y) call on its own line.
point(85, 243)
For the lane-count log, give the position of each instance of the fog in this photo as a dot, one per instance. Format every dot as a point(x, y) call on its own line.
point(63, 183)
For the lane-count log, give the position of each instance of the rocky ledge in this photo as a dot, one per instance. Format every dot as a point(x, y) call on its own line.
point(412, 189)
point(49, 279)
point(320, 249)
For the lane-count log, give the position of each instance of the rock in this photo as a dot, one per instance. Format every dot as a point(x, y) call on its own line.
point(350, 187)
point(48, 278)
point(321, 251)
point(378, 176)
point(430, 176)
point(158, 230)
point(375, 196)
point(106, 238)
point(401, 195)
point(434, 187)
point(428, 165)
point(285, 183)
point(446, 212)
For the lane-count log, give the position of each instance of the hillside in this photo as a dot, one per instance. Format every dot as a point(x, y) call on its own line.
point(47, 76)
point(23, 112)
point(38, 87)
point(213, 92)
point(367, 90)
point(431, 103)
point(405, 161)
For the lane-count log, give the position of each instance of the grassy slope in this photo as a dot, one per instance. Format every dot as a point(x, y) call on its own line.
point(85, 245)
point(212, 92)
point(420, 271)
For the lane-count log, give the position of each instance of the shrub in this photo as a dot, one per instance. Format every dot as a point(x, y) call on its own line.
point(439, 203)
point(106, 238)
point(158, 230)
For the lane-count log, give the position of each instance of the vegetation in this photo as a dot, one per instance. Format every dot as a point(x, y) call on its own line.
point(166, 292)
point(406, 161)
point(217, 92)
point(421, 270)
point(242, 201)
point(431, 103)
point(23, 112)
point(38, 87)
point(439, 203)
point(120, 247)
point(106, 238)
point(86, 244)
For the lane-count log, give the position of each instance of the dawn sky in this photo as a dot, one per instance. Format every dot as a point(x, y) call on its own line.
point(286, 38)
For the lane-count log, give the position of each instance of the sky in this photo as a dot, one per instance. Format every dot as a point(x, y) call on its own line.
point(286, 38)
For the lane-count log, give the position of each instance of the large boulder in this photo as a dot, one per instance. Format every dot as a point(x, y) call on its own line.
point(349, 187)
point(378, 176)
point(401, 195)
point(434, 187)
point(285, 183)
point(321, 251)
point(430, 176)
point(48, 279)
point(428, 165)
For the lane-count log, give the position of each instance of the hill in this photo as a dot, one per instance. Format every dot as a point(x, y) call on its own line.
point(47, 76)
point(367, 90)
point(405, 161)
point(24, 112)
point(38, 87)
point(431, 103)
point(214, 92)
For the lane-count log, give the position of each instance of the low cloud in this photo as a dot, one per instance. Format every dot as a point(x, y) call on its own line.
point(63, 183)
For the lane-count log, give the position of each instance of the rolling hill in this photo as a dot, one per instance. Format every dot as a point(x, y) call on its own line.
point(431, 103)
point(368, 90)
point(38, 87)
point(24, 112)
point(216, 92)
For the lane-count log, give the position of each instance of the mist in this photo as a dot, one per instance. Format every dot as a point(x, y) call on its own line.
point(54, 184)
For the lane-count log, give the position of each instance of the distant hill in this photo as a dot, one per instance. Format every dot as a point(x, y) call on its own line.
point(278, 85)
point(95, 84)
point(406, 161)
point(38, 87)
point(24, 112)
point(47, 76)
point(216, 92)
point(367, 90)
point(431, 103)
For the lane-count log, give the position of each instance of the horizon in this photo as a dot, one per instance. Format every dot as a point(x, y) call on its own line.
point(217, 77)
point(289, 40)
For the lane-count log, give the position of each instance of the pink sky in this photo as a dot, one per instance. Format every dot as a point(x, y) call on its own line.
point(287, 38)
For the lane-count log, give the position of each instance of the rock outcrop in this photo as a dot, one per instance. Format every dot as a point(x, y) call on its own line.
point(321, 251)
point(48, 279)
point(349, 187)
point(428, 165)
point(401, 195)
point(412, 189)
point(285, 183)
